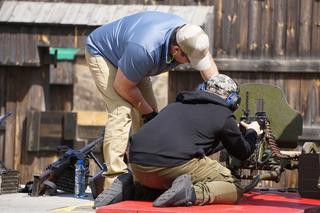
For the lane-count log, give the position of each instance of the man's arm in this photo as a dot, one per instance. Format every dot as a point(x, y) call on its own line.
point(130, 92)
point(239, 145)
point(213, 70)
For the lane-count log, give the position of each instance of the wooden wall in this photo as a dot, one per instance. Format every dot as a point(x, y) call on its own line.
point(267, 41)
point(34, 85)
point(267, 28)
point(23, 89)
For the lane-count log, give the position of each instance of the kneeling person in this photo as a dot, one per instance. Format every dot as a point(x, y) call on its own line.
point(171, 150)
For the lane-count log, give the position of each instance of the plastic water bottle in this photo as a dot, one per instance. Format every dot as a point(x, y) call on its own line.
point(79, 179)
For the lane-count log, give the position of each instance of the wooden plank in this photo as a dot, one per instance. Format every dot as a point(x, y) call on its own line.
point(280, 28)
point(11, 121)
point(292, 85)
point(6, 10)
point(100, 16)
point(315, 47)
point(31, 11)
point(305, 28)
point(254, 28)
point(33, 130)
point(218, 13)
point(61, 98)
point(51, 130)
point(62, 74)
point(92, 118)
point(52, 117)
point(292, 29)
point(90, 132)
point(243, 28)
point(225, 28)
point(39, 88)
point(43, 16)
point(257, 65)
point(49, 143)
point(70, 126)
point(229, 28)
point(17, 13)
point(310, 134)
point(310, 99)
point(179, 81)
point(57, 12)
point(266, 29)
point(71, 13)
point(2, 112)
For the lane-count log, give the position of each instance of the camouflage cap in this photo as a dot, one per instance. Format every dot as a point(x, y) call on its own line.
point(221, 85)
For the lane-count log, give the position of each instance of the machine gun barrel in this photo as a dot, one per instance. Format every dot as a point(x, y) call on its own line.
point(84, 151)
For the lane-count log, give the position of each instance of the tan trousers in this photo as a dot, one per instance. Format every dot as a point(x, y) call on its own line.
point(122, 118)
point(213, 183)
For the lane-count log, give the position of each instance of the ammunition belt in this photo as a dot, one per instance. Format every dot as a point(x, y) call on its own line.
point(272, 143)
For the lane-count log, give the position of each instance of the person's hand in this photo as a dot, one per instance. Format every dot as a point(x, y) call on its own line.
point(253, 125)
point(147, 117)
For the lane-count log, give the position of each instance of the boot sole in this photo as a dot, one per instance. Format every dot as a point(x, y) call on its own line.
point(115, 193)
point(178, 187)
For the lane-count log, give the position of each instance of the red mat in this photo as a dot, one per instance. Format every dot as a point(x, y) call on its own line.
point(255, 202)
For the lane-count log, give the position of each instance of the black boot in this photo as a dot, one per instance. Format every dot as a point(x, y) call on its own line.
point(121, 189)
point(181, 193)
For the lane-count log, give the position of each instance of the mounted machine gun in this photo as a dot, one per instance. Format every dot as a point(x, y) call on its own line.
point(282, 126)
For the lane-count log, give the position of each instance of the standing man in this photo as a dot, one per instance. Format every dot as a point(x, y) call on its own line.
point(122, 56)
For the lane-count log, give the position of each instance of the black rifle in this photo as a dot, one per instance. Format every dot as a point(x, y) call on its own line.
point(60, 174)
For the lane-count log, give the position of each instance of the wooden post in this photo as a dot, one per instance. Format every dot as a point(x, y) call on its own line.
point(254, 28)
point(243, 7)
point(266, 29)
point(292, 29)
point(315, 47)
point(217, 28)
point(305, 28)
point(229, 29)
point(280, 26)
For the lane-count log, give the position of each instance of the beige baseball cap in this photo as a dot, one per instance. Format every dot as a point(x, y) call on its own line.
point(194, 42)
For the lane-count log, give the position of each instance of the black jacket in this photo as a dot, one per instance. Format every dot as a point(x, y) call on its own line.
point(189, 128)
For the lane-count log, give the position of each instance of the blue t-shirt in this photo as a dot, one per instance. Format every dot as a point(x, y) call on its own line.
point(138, 44)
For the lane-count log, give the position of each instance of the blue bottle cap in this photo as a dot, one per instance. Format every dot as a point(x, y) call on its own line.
point(80, 162)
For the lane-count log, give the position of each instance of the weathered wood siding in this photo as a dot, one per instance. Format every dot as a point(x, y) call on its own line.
point(257, 36)
point(267, 28)
point(268, 41)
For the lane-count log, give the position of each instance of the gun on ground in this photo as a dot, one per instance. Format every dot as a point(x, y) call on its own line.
point(60, 174)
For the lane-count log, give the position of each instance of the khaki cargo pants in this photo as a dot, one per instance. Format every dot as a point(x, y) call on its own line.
point(213, 183)
point(122, 118)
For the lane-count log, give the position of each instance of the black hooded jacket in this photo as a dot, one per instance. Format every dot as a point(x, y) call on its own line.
point(191, 127)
